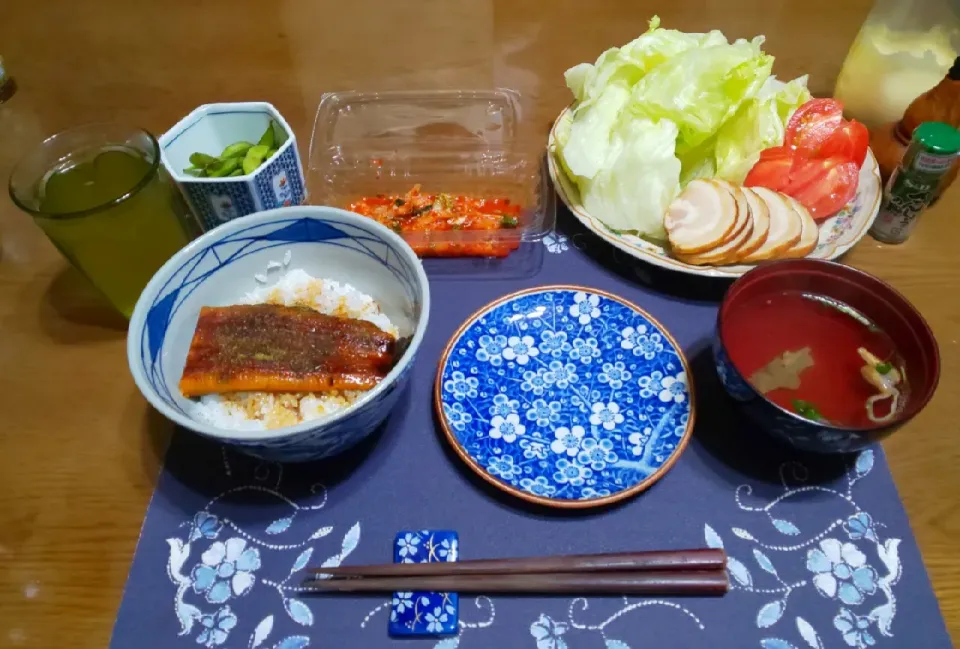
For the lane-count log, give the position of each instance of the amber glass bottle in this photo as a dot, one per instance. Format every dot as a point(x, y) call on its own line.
point(939, 104)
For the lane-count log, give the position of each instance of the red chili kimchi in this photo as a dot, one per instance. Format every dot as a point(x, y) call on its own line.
point(415, 212)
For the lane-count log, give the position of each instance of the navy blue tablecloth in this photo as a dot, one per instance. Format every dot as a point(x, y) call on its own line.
point(821, 550)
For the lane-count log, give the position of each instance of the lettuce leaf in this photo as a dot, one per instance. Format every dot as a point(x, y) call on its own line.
point(698, 162)
point(590, 144)
point(702, 88)
point(758, 124)
point(716, 100)
point(626, 65)
point(642, 176)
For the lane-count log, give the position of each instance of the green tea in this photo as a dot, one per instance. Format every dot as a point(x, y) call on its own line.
point(115, 215)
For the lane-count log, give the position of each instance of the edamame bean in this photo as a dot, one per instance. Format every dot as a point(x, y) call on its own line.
point(202, 160)
point(255, 157)
point(236, 150)
point(236, 159)
point(224, 168)
point(267, 139)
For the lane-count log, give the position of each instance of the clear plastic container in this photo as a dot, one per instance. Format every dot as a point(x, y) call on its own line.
point(454, 142)
point(904, 48)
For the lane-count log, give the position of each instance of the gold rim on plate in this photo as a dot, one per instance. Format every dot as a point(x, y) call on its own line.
point(540, 500)
point(836, 248)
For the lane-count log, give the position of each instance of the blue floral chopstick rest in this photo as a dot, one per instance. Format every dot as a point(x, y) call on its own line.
point(425, 613)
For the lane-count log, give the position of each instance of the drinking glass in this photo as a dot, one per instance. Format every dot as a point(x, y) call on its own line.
point(102, 197)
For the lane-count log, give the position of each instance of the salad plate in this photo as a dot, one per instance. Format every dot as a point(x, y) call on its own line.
point(838, 234)
point(565, 396)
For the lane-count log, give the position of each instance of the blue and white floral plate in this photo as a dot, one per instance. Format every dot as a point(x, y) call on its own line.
point(565, 396)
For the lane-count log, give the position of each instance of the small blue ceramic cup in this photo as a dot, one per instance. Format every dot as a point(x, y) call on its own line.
point(278, 182)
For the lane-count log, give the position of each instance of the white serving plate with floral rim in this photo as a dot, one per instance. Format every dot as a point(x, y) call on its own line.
point(838, 234)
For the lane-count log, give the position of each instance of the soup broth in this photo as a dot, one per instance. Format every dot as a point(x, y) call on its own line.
point(801, 351)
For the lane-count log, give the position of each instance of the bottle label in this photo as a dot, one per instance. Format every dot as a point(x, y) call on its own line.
point(933, 163)
point(908, 194)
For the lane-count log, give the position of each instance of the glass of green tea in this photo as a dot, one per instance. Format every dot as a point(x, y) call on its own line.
point(102, 197)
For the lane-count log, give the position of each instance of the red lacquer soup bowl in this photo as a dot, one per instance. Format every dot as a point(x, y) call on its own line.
point(867, 298)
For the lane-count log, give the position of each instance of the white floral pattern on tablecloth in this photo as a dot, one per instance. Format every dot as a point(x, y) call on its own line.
point(857, 590)
point(230, 558)
point(849, 564)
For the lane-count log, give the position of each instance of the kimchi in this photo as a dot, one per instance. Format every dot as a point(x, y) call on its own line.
point(416, 213)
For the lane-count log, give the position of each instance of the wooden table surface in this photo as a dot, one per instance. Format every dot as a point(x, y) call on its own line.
point(79, 448)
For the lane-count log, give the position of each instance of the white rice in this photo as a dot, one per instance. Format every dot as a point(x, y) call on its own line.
point(263, 410)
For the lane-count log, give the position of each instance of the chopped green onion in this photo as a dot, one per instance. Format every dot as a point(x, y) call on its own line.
point(884, 368)
point(807, 410)
point(421, 210)
point(398, 202)
point(509, 221)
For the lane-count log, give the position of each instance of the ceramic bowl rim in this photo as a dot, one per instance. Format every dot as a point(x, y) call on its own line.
point(864, 280)
point(138, 321)
point(467, 459)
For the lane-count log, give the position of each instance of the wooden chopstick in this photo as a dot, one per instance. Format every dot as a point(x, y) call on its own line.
point(670, 560)
point(659, 583)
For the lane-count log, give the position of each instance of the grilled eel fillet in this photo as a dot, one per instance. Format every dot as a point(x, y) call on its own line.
point(273, 348)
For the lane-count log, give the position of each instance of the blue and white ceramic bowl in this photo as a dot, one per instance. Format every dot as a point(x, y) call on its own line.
point(220, 267)
point(565, 396)
point(278, 182)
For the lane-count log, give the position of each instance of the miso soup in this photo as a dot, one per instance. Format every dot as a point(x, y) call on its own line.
point(817, 357)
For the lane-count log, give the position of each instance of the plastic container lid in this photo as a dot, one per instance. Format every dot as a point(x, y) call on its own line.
point(460, 142)
point(481, 118)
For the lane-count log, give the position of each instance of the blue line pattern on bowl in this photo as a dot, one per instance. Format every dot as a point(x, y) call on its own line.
point(566, 395)
point(201, 115)
point(279, 183)
point(207, 261)
point(216, 203)
point(424, 612)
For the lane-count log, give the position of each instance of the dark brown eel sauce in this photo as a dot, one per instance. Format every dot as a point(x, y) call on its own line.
point(273, 348)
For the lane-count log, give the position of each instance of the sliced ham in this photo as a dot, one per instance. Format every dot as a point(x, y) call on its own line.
point(701, 218)
point(809, 234)
point(786, 227)
point(760, 216)
point(729, 250)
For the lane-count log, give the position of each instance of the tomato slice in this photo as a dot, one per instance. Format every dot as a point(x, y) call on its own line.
point(850, 140)
point(806, 171)
point(824, 185)
point(819, 162)
point(772, 174)
point(811, 125)
point(777, 153)
point(773, 169)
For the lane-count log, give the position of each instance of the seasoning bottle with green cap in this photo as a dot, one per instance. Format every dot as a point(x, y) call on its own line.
point(916, 180)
